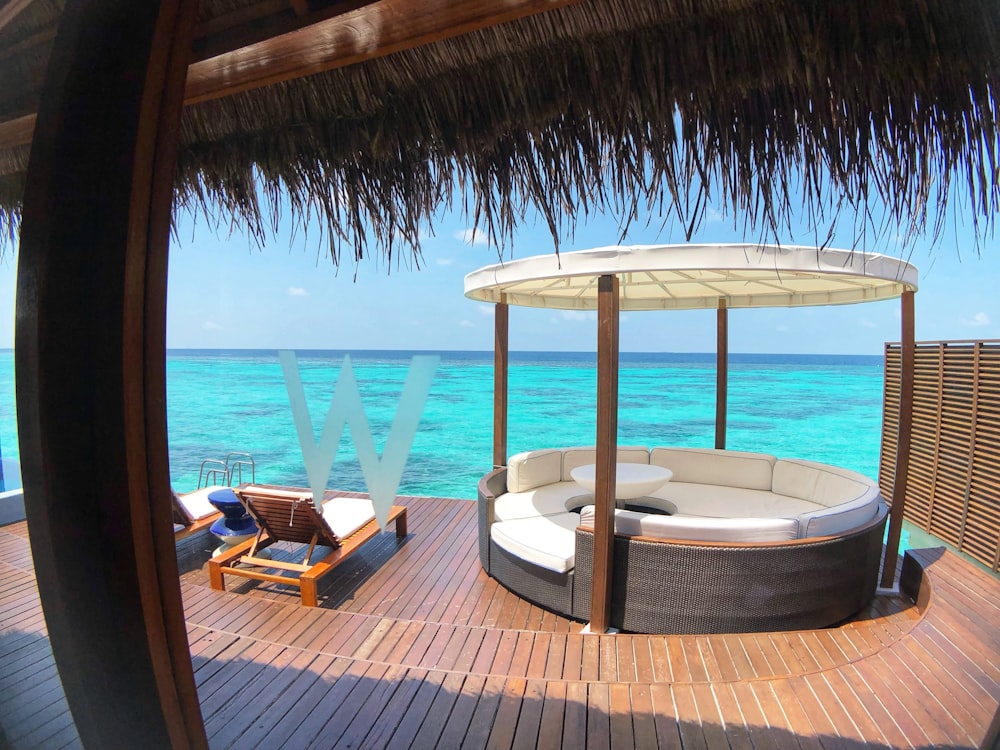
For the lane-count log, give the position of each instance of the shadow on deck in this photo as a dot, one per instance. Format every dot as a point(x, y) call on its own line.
point(414, 646)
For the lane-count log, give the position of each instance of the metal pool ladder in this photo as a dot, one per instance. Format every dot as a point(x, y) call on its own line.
point(217, 471)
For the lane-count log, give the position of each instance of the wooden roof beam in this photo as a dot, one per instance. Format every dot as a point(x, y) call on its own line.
point(369, 31)
point(341, 34)
point(262, 22)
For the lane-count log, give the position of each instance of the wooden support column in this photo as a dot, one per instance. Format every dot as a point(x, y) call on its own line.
point(721, 374)
point(500, 370)
point(607, 453)
point(907, 365)
point(91, 370)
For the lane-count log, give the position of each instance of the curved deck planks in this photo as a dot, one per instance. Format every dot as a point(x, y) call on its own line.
point(413, 646)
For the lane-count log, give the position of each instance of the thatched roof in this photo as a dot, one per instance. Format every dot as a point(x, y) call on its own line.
point(764, 106)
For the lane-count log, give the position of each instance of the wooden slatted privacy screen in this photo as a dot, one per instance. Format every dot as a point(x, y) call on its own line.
point(954, 481)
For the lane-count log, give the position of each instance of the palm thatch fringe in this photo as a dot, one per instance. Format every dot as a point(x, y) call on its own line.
point(622, 105)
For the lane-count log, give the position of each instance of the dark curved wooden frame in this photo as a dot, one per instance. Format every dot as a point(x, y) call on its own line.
point(91, 370)
point(680, 586)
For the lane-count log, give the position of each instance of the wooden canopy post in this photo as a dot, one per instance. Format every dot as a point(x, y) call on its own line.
point(607, 453)
point(721, 374)
point(907, 366)
point(501, 335)
point(91, 370)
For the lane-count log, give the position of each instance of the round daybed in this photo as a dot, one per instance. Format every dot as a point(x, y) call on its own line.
point(796, 546)
point(735, 542)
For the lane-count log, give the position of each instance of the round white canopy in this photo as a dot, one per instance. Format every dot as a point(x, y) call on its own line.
point(685, 277)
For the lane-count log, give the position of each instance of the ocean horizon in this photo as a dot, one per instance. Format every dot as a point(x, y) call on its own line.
point(568, 355)
point(819, 407)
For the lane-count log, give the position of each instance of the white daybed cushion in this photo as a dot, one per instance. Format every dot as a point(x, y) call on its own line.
point(531, 469)
point(695, 528)
point(822, 484)
point(547, 500)
point(546, 541)
point(848, 499)
point(840, 518)
point(345, 515)
point(196, 503)
point(730, 502)
point(751, 471)
point(574, 457)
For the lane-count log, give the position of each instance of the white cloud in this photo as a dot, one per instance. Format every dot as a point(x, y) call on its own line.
point(485, 310)
point(444, 261)
point(211, 325)
point(979, 319)
point(472, 237)
point(577, 315)
point(782, 329)
point(297, 291)
point(467, 324)
point(864, 323)
point(713, 216)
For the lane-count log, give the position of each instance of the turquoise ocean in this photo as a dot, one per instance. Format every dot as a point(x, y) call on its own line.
point(822, 408)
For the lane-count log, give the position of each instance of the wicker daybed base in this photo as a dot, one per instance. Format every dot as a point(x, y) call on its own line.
point(673, 586)
point(685, 587)
point(539, 585)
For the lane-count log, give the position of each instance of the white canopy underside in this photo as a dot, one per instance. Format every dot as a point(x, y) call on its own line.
point(686, 277)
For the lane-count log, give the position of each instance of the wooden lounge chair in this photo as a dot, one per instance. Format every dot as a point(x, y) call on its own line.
point(291, 516)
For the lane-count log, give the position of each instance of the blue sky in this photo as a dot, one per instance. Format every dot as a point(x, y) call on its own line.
point(226, 293)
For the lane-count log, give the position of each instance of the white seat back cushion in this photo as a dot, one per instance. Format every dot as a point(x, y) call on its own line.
point(818, 483)
point(695, 528)
point(751, 471)
point(253, 489)
point(574, 457)
point(531, 469)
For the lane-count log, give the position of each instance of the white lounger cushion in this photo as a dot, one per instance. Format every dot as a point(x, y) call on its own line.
point(549, 500)
point(345, 515)
point(546, 541)
point(574, 457)
point(697, 528)
point(731, 502)
point(751, 471)
point(196, 503)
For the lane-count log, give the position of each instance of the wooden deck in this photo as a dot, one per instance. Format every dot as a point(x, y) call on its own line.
point(414, 646)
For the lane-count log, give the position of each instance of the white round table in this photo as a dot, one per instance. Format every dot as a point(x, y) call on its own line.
point(631, 480)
